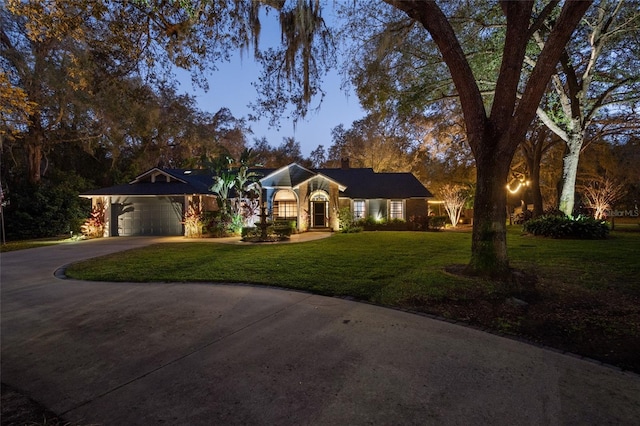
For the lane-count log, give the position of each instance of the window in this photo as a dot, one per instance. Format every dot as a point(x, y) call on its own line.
point(285, 205)
point(358, 209)
point(286, 209)
point(395, 211)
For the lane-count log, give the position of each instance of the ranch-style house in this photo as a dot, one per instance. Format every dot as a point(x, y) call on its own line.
point(154, 202)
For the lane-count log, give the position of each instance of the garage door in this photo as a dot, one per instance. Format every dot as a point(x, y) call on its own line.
point(147, 216)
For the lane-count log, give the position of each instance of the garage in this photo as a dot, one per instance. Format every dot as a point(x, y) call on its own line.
point(151, 204)
point(156, 216)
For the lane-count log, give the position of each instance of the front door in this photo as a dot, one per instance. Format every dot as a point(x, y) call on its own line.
point(319, 214)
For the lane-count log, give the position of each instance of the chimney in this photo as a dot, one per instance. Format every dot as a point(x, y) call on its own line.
point(344, 163)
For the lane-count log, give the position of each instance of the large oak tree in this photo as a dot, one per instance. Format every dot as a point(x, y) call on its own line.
point(495, 133)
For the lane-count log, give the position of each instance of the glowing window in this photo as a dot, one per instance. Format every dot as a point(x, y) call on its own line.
point(395, 210)
point(286, 209)
point(358, 209)
point(285, 205)
point(319, 197)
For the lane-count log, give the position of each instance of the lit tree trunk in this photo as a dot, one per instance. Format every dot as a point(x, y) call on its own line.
point(569, 173)
point(573, 87)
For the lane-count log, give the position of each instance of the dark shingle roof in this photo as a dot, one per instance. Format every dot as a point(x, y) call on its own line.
point(360, 183)
point(148, 188)
point(186, 182)
point(365, 183)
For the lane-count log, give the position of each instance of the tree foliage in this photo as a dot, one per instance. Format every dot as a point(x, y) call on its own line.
point(382, 143)
point(289, 151)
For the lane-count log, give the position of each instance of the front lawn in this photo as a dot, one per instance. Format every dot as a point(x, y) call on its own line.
point(28, 244)
point(588, 299)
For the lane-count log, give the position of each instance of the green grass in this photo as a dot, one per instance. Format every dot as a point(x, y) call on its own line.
point(381, 267)
point(591, 264)
point(587, 297)
point(29, 244)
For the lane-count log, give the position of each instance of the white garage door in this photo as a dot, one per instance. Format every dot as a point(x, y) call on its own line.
point(147, 216)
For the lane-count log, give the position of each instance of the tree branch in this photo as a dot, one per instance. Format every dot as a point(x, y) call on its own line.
point(569, 18)
point(431, 17)
point(542, 115)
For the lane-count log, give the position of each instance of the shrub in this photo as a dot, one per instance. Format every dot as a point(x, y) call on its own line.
point(352, 229)
point(419, 223)
point(291, 224)
point(437, 222)
point(193, 222)
point(250, 232)
point(94, 226)
point(214, 225)
point(582, 227)
point(218, 225)
point(49, 209)
point(369, 223)
point(235, 224)
point(282, 231)
point(345, 219)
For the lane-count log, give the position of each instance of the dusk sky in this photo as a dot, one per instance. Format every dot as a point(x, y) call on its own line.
point(231, 87)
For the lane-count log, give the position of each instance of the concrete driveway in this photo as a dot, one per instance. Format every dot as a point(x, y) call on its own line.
point(203, 354)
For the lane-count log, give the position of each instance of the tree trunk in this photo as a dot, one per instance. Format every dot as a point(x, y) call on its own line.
point(533, 151)
point(536, 192)
point(569, 174)
point(489, 238)
point(33, 146)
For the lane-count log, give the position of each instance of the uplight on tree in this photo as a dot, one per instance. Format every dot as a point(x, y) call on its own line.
point(454, 198)
point(600, 194)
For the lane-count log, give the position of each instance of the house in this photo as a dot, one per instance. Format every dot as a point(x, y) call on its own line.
point(154, 202)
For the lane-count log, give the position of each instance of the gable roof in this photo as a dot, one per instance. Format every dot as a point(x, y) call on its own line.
point(287, 176)
point(291, 176)
point(353, 183)
point(163, 182)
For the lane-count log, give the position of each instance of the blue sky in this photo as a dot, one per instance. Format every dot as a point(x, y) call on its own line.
point(231, 87)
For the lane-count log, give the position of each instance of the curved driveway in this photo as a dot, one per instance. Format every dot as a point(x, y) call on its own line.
point(198, 354)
